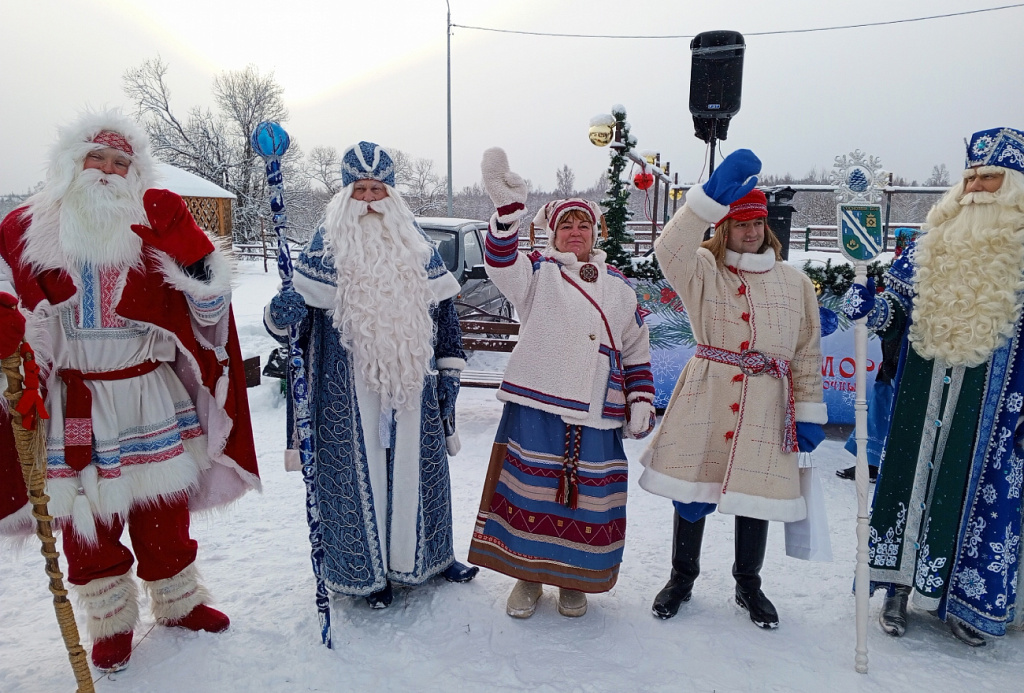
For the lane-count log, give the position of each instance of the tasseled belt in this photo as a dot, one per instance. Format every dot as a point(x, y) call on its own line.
point(78, 410)
point(568, 485)
point(752, 362)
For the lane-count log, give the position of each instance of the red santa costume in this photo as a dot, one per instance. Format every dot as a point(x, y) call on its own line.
point(127, 305)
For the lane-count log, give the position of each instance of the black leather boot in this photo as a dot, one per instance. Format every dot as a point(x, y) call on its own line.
point(686, 541)
point(893, 617)
point(751, 540)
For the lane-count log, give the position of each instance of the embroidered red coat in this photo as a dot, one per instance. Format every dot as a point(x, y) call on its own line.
point(208, 363)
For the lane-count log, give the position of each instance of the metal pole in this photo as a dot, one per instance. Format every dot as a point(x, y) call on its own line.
point(449, 32)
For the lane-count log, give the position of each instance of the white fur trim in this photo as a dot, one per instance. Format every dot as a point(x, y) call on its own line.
point(704, 207)
point(219, 265)
point(751, 262)
point(445, 286)
point(18, 523)
point(776, 510)
point(111, 605)
point(812, 412)
point(513, 227)
point(451, 363)
point(317, 294)
point(175, 597)
point(106, 498)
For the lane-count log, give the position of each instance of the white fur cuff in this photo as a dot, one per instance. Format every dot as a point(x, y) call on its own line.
point(812, 412)
point(704, 207)
point(175, 597)
point(453, 363)
point(111, 605)
point(513, 229)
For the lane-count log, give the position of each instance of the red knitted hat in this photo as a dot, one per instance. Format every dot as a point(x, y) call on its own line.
point(753, 205)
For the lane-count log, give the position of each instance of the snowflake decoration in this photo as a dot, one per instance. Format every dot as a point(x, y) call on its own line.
point(971, 583)
point(989, 494)
point(1015, 477)
point(858, 177)
point(1013, 403)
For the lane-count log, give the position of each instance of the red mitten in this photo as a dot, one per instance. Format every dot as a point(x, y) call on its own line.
point(172, 228)
point(12, 325)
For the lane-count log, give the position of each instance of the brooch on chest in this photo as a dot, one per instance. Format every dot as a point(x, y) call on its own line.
point(588, 273)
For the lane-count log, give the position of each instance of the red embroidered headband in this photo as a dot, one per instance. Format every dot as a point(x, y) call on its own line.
point(109, 138)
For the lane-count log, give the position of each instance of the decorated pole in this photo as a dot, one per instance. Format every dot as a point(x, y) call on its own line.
point(28, 439)
point(859, 233)
point(270, 141)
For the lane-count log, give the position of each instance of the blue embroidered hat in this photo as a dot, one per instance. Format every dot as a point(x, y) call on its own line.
point(996, 147)
point(367, 160)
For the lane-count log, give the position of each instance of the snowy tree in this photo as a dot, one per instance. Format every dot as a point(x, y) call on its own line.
point(215, 145)
point(939, 177)
point(566, 185)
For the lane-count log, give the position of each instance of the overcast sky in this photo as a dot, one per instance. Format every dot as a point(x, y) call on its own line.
point(375, 70)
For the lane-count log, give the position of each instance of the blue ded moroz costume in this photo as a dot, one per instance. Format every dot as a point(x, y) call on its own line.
point(382, 484)
point(946, 518)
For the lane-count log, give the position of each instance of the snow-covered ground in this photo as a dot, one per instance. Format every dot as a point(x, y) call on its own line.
point(446, 637)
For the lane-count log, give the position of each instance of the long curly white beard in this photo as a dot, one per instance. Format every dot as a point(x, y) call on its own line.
point(969, 282)
point(383, 297)
point(96, 217)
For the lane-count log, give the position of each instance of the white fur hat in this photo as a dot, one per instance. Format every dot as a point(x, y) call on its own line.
point(96, 130)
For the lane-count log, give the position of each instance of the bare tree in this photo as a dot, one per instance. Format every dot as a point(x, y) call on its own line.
point(323, 166)
point(566, 182)
point(215, 145)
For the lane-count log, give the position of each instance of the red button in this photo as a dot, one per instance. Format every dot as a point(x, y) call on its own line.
point(729, 435)
point(745, 317)
point(735, 406)
point(744, 346)
point(738, 378)
point(743, 289)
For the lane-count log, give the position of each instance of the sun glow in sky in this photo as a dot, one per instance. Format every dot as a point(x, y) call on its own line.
point(377, 71)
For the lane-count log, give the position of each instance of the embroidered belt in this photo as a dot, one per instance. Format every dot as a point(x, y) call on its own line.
point(78, 410)
point(753, 363)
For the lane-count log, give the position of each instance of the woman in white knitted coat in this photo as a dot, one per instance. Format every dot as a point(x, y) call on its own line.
point(749, 397)
point(553, 508)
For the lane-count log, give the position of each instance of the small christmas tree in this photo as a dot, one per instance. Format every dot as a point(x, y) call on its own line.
point(616, 203)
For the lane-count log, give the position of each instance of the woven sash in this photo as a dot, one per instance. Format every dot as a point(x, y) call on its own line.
point(753, 363)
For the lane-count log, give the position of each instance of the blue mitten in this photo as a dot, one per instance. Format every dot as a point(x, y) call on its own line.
point(808, 435)
point(287, 308)
point(859, 300)
point(828, 319)
point(734, 177)
point(447, 392)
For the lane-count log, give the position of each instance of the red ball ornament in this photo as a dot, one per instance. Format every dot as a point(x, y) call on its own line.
point(642, 181)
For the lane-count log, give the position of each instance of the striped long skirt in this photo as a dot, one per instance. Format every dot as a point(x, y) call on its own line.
point(554, 504)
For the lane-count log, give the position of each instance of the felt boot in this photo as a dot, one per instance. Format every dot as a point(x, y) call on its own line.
point(686, 542)
point(522, 601)
point(965, 633)
point(893, 617)
point(381, 599)
point(111, 606)
point(571, 602)
point(180, 602)
point(112, 653)
point(751, 540)
point(460, 572)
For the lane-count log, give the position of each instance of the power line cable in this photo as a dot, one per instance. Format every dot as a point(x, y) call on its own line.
point(752, 33)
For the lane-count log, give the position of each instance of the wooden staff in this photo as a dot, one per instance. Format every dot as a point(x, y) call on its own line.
point(30, 447)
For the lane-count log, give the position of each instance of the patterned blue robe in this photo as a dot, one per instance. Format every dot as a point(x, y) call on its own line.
point(352, 535)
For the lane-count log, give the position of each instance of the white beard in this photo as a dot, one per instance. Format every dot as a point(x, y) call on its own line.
point(969, 282)
point(383, 297)
point(96, 215)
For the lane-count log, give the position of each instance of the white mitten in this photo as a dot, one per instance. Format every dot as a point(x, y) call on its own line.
point(641, 418)
point(507, 190)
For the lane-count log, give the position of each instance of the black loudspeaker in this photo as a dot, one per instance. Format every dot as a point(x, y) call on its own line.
point(716, 81)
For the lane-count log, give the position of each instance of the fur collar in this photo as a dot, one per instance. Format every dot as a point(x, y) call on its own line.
point(751, 262)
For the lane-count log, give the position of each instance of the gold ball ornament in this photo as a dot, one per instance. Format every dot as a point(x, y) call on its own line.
point(676, 193)
point(601, 135)
point(817, 288)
